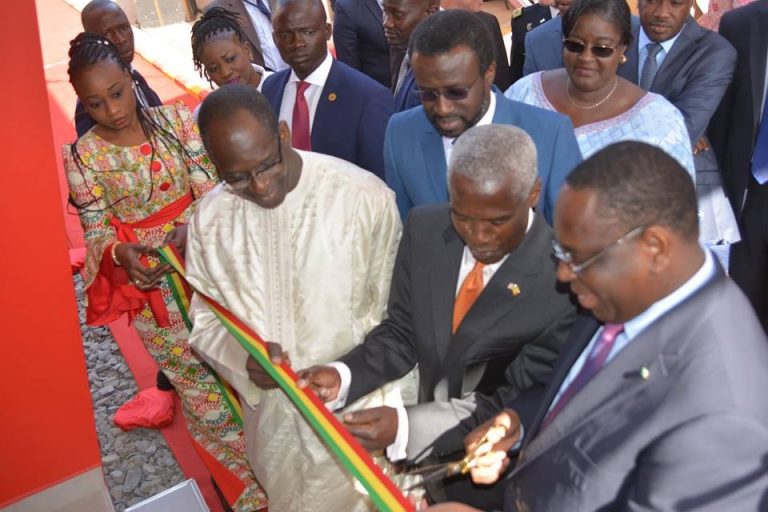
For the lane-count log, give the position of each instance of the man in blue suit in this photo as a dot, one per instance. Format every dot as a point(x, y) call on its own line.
point(329, 107)
point(401, 17)
point(452, 58)
point(358, 35)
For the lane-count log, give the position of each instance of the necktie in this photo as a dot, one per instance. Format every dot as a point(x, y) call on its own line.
point(405, 65)
point(594, 362)
point(468, 293)
point(259, 4)
point(300, 121)
point(650, 67)
point(760, 156)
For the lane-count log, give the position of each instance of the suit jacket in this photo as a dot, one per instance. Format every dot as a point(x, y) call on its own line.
point(406, 97)
point(693, 77)
point(523, 21)
point(415, 160)
point(544, 48)
point(733, 129)
point(350, 119)
point(84, 122)
point(238, 7)
point(526, 330)
point(502, 65)
point(683, 438)
point(358, 35)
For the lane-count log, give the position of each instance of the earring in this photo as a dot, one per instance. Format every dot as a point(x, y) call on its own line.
point(623, 59)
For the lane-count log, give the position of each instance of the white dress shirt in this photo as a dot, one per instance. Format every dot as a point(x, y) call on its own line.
point(486, 119)
point(643, 41)
point(263, 27)
point(397, 450)
point(316, 81)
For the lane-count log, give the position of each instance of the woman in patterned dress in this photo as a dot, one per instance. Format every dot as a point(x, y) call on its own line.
point(135, 178)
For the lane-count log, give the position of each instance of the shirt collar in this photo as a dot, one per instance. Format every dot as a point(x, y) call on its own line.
point(666, 45)
point(635, 326)
point(486, 119)
point(319, 76)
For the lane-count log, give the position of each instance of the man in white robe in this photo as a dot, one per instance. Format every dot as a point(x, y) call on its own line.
point(300, 246)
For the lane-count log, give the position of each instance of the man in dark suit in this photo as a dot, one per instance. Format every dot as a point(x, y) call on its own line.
point(106, 18)
point(451, 53)
point(401, 17)
point(255, 18)
point(739, 131)
point(658, 401)
point(330, 107)
point(473, 291)
point(358, 35)
point(525, 19)
point(492, 24)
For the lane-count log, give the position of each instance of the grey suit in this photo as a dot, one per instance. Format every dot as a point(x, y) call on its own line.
point(692, 435)
point(526, 329)
point(238, 7)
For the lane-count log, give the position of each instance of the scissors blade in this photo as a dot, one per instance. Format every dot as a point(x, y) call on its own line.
point(432, 477)
point(426, 469)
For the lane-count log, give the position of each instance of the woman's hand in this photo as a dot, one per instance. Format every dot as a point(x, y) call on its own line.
point(144, 278)
point(178, 237)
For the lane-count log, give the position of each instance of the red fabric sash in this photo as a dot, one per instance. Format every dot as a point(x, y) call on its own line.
point(112, 294)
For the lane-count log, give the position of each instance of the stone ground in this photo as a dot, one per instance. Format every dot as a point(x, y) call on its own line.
point(137, 464)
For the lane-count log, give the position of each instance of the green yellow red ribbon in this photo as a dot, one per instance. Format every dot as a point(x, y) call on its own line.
point(385, 495)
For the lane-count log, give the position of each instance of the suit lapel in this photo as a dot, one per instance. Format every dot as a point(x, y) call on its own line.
point(238, 7)
point(435, 166)
point(446, 260)
point(327, 109)
point(373, 7)
point(678, 54)
point(758, 45)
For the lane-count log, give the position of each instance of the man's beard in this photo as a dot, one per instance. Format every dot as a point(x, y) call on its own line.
point(468, 123)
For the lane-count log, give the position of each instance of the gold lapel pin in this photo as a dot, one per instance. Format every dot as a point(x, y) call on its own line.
point(332, 96)
point(528, 27)
point(514, 289)
point(645, 373)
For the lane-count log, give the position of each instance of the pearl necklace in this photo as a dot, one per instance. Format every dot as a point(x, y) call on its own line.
point(594, 105)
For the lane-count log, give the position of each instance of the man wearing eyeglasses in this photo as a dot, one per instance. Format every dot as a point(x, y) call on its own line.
point(658, 402)
point(299, 246)
point(453, 62)
point(474, 303)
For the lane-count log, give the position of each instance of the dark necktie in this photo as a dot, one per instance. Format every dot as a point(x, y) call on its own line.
point(300, 122)
point(760, 156)
point(595, 360)
point(259, 4)
point(651, 66)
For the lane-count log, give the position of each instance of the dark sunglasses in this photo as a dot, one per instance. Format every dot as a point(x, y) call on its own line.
point(600, 52)
point(449, 93)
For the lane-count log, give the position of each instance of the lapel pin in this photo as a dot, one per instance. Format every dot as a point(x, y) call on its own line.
point(514, 289)
point(645, 373)
point(528, 27)
point(332, 96)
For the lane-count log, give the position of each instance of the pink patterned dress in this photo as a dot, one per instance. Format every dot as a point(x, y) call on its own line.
point(145, 192)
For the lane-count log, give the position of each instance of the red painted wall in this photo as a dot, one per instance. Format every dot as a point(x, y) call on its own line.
point(47, 431)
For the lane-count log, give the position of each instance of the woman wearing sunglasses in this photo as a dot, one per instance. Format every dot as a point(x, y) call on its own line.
point(603, 107)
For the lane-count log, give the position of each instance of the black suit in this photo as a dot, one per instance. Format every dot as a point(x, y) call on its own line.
point(358, 35)
point(528, 328)
point(502, 65)
point(733, 133)
point(523, 21)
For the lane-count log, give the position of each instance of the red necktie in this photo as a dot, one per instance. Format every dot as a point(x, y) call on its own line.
point(468, 293)
point(300, 122)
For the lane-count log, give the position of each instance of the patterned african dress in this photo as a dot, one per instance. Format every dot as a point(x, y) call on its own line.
point(138, 194)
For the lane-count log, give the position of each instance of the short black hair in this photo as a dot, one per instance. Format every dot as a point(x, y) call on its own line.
point(615, 12)
point(229, 99)
point(445, 30)
point(640, 185)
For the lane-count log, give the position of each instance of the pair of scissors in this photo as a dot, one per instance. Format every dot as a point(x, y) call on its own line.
point(437, 472)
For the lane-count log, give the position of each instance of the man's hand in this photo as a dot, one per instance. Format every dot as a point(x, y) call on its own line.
point(258, 375)
point(323, 380)
point(492, 453)
point(700, 146)
point(375, 428)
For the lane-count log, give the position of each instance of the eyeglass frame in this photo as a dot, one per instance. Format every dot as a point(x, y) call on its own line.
point(566, 258)
point(591, 48)
point(458, 93)
point(242, 183)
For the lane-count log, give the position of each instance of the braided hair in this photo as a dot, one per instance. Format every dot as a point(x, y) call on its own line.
point(216, 20)
point(88, 49)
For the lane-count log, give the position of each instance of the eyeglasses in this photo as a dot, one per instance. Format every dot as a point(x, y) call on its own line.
point(601, 52)
point(241, 183)
point(449, 93)
point(566, 258)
